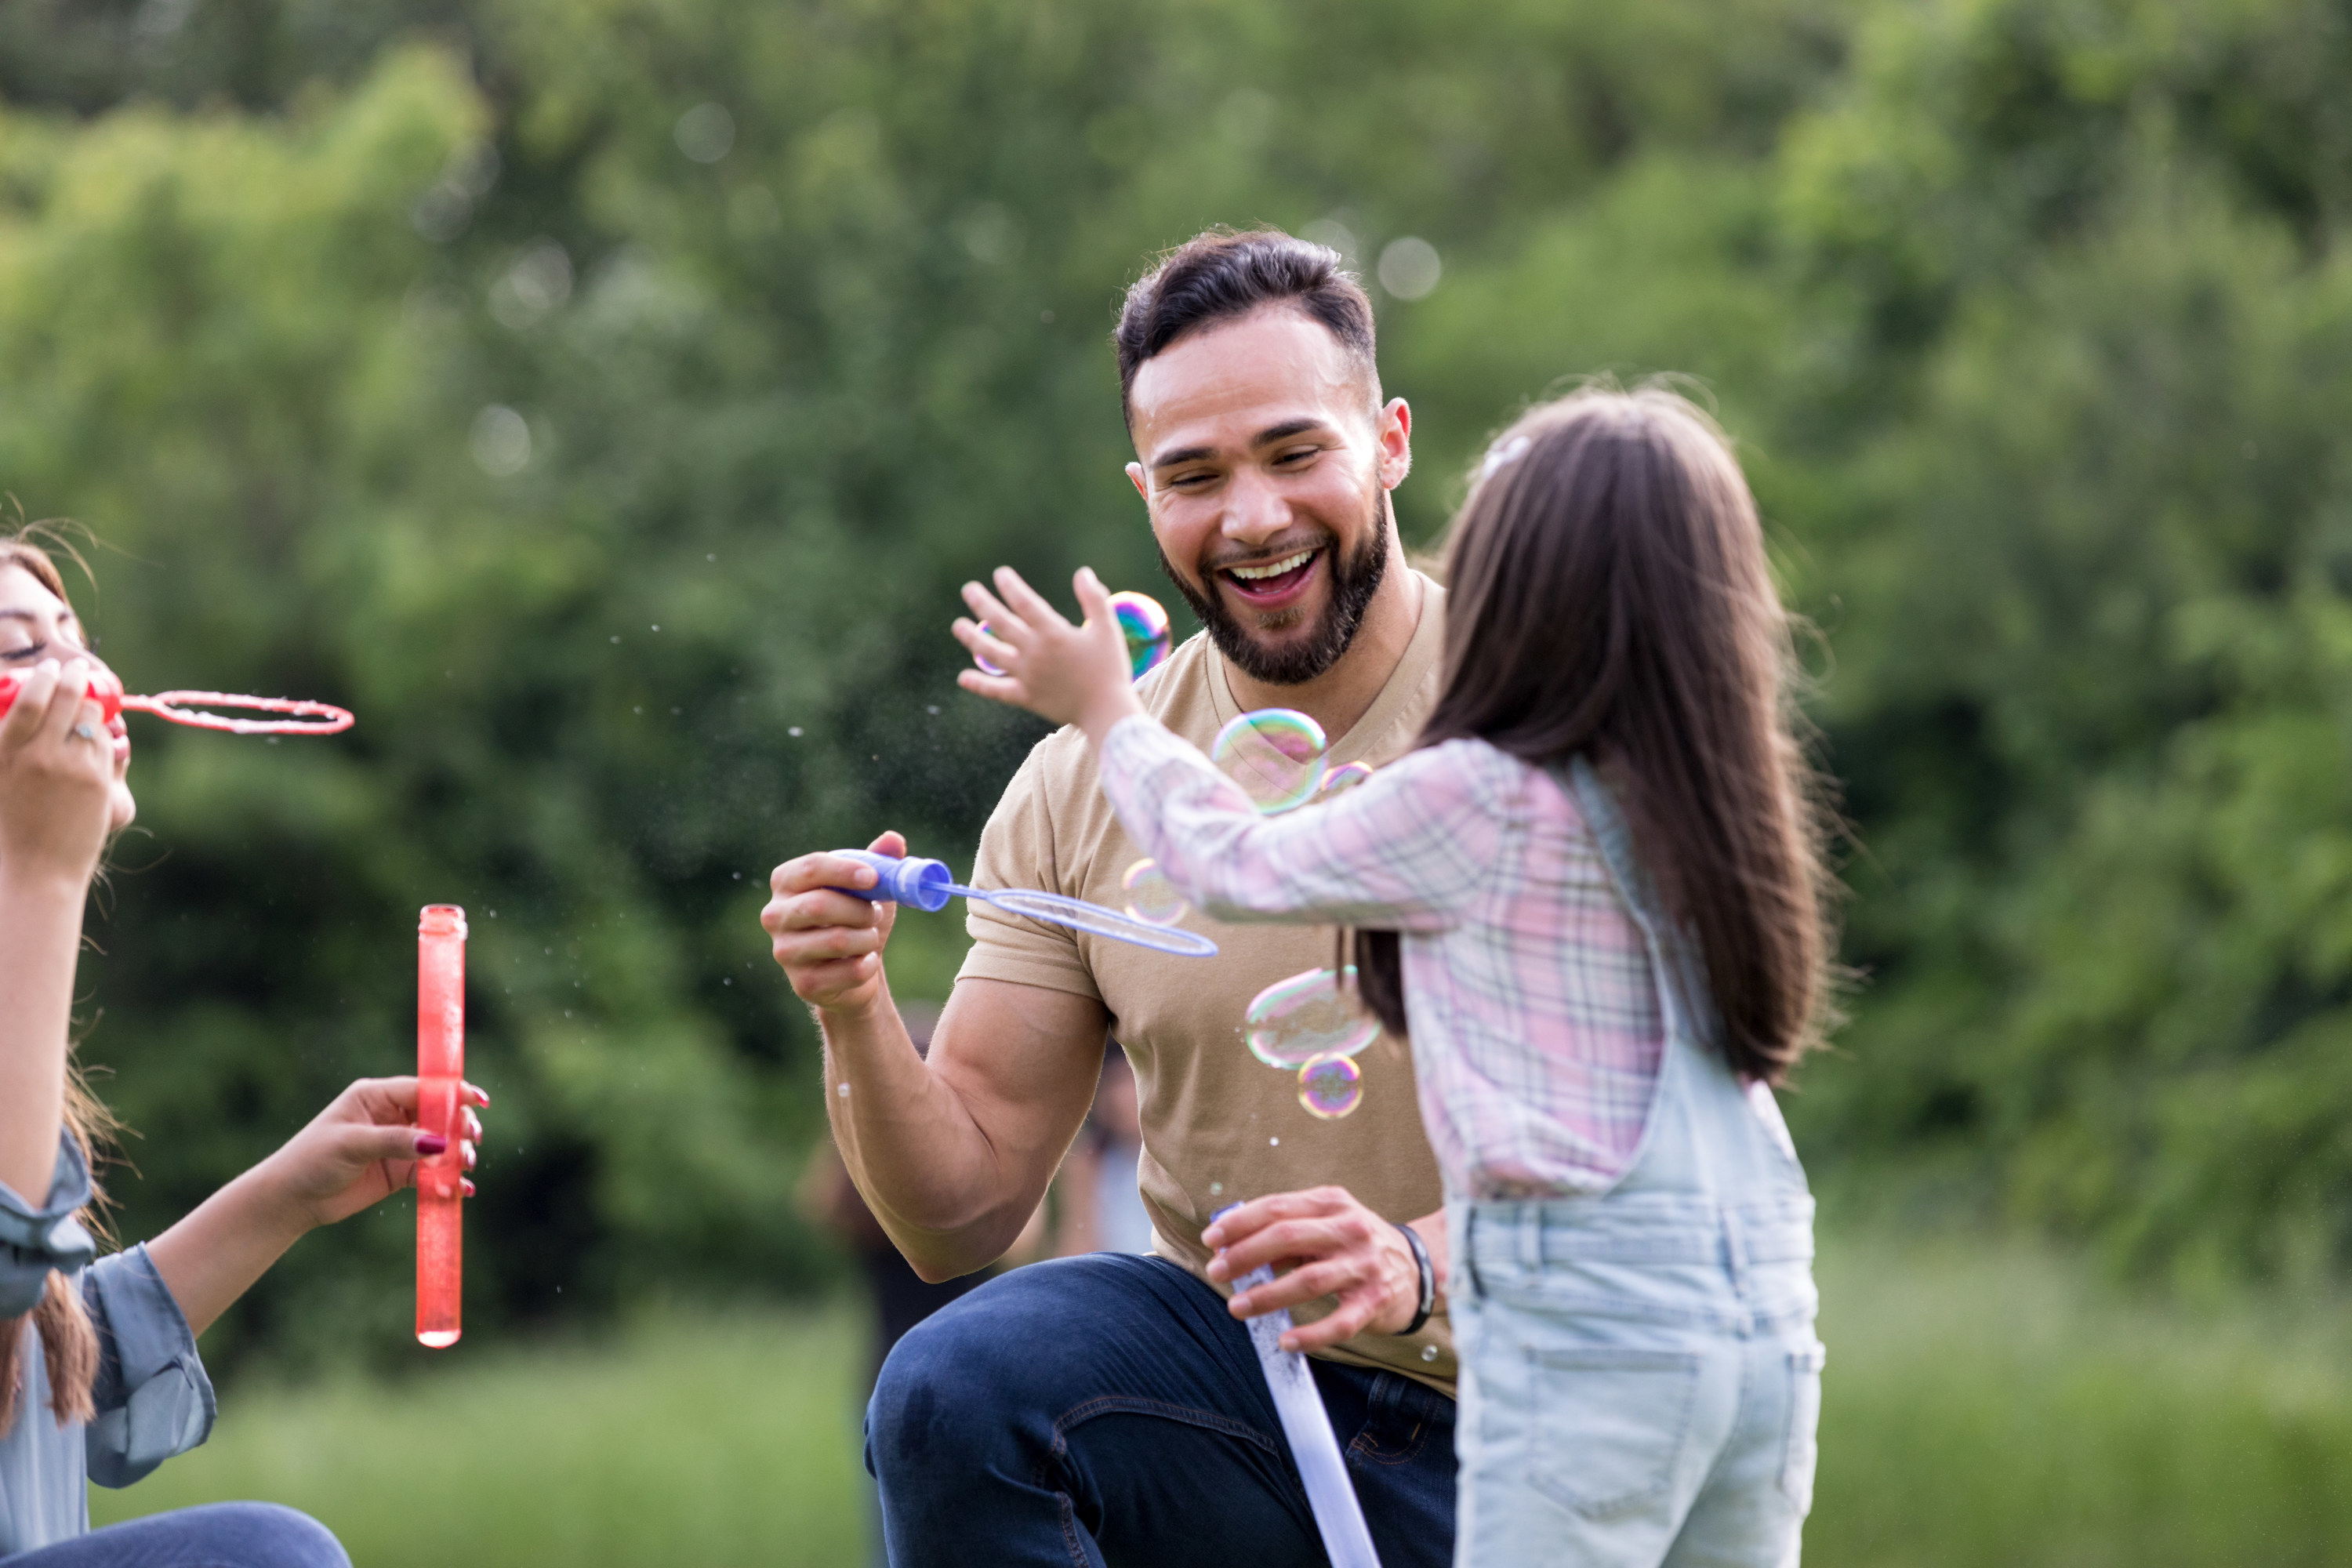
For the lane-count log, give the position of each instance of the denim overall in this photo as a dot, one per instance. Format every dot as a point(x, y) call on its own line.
point(1640, 1377)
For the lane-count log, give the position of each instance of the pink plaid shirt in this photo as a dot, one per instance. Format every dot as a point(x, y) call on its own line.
point(1536, 1026)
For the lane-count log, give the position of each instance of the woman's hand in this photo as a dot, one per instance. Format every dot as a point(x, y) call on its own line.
point(361, 1150)
point(57, 774)
point(1071, 675)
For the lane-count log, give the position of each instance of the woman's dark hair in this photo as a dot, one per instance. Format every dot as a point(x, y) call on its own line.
point(1608, 594)
point(1219, 274)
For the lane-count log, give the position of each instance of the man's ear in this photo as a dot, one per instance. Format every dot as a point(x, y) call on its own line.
point(1135, 477)
point(1394, 433)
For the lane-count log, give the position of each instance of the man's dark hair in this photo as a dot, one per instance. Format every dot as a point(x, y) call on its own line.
point(1218, 275)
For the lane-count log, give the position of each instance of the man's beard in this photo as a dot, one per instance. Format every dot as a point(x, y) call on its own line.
point(1354, 580)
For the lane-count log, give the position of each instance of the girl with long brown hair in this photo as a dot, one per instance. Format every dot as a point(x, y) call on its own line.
point(1595, 899)
point(100, 1376)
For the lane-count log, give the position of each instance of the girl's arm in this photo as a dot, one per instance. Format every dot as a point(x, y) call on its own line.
point(53, 818)
point(1408, 849)
point(357, 1152)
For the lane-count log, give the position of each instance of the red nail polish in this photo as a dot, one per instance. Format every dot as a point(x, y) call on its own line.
point(431, 1143)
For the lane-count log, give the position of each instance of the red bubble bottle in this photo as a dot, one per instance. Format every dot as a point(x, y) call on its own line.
point(440, 1070)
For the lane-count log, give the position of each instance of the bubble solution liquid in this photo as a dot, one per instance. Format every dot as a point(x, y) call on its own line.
point(440, 1070)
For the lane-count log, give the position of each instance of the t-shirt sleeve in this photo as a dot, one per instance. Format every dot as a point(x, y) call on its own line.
point(1017, 849)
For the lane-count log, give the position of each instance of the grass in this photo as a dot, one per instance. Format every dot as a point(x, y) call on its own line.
point(712, 1442)
point(1984, 1405)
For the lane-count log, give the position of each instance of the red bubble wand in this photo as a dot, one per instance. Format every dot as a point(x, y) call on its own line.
point(303, 718)
point(440, 1091)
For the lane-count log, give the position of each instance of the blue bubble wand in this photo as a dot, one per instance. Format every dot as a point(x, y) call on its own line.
point(927, 885)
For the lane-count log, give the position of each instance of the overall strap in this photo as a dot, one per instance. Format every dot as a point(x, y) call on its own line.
point(1668, 951)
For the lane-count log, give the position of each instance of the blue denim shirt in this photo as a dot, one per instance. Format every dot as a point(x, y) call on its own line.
point(151, 1395)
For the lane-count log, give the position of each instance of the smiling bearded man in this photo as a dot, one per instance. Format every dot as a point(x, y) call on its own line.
point(1110, 1408)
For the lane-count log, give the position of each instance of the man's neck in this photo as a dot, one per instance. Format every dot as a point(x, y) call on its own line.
point(1344, 693)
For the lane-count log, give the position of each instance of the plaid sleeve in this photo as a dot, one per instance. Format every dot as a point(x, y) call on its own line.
point(1410, 847)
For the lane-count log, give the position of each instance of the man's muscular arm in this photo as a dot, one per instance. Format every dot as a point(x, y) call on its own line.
point(952, 1153)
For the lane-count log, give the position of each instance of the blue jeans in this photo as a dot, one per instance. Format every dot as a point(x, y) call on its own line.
point(1109, 1409)
point(217, 1536)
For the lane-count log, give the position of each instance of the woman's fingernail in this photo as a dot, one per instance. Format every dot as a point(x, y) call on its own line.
point(432, 1143)
point(465, 1186)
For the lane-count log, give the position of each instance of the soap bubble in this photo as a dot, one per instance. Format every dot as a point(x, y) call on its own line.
point(1331, 1086)
point(1275, 754)
point(1429, 1352)
point(1152, 898)
point(1311, 1014)
point(982, 659)
point(1145, 626)
point(1343, 778)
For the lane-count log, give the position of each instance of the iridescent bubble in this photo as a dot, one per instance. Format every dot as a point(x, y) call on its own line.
point(1343, 778)
point(1145, 626)
point(1292, 1022)
point(1152, 898)
point(1429, 1352)
point(1331, 1086)
point(982, 659)
point(1275, 754)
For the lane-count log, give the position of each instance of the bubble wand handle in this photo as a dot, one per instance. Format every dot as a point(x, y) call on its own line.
point(440, 1070)
point(927, 885)
point(1338, 1517)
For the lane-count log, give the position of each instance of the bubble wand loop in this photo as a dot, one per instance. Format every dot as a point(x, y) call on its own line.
point(302, 717)
point(440, 1073)
point(927, 885)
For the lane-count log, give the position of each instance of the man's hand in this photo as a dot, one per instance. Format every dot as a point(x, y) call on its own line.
point(1070, 675)
point(826, 942)
point(1331, 1245)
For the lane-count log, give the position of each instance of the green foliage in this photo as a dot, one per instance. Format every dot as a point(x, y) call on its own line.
point(654, 368)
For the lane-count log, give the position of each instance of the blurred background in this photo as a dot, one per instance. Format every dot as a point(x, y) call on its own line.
point(603, 398)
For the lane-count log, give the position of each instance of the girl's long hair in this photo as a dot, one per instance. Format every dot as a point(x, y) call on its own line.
point(1609, 594)
point(68, 1344)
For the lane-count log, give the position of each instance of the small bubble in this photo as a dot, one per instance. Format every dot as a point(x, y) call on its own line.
point(931, 708)
point(636, 710)
point(1429, 1352)
point(842, 1091)
point(739, 877)
point(657, 628)
point(794, 731)
point(1215, 1188)
point(616, 639)
point(710, 558)
point(1273, 1142)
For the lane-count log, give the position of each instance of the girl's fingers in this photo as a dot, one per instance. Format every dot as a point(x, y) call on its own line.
point(1094, 599)
point(999, 687)
point(478, 1096)
point(986, 607)
point(1032, 606)
point(984, 645)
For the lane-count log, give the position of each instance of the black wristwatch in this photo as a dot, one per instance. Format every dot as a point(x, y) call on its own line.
point(1428, 1303)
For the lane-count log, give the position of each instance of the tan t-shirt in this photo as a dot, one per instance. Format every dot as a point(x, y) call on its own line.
point(1219, 1125)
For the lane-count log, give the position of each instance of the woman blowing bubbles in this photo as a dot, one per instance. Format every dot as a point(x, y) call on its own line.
point(98, 1372)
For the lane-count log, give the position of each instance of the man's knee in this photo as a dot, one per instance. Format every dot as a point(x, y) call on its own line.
point(269, 1535)
point(942, 1385)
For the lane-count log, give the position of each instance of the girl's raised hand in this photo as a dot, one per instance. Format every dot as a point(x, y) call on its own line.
point(57, 770)
point(361, 1150)
point(1070, 675)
